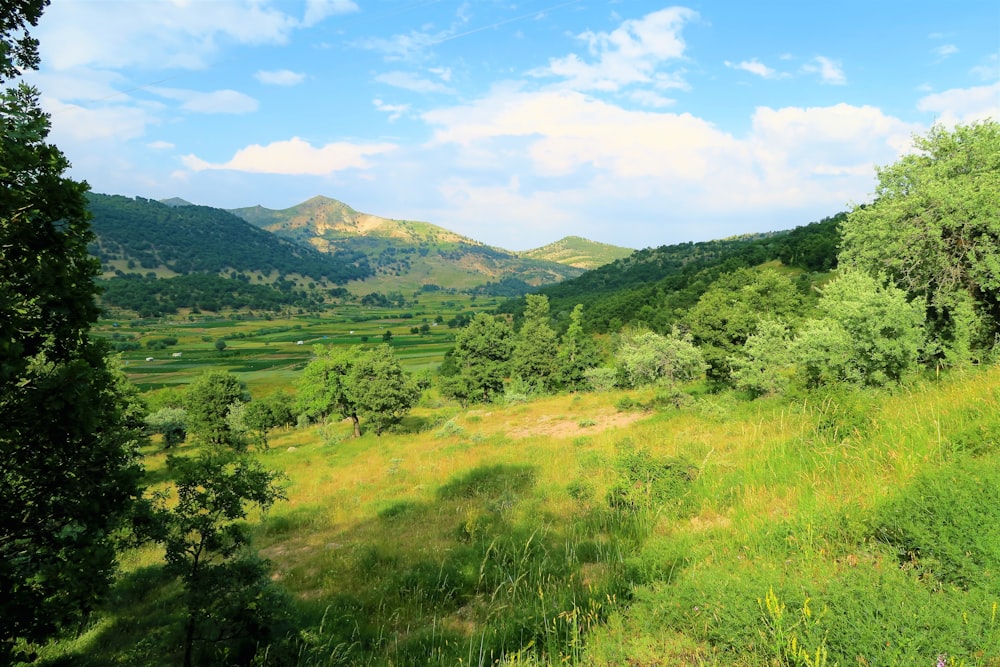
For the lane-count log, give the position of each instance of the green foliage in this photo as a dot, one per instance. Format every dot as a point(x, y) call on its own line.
point(355, 384)
point(648, 482)
point(729, 312)
point(645, 358)
point(71, 425)
point(230, 607)
point(935, 229)
point(207, 402)
point(382, 391)
point(869, 334)
point(533, 358)
point(767, 361)
point(577, 354)
point(171, 423)
point(481, 360)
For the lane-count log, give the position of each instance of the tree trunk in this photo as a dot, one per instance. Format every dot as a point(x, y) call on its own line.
point(357, 426)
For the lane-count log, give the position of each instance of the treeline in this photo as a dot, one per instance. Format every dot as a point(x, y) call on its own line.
point(654, 287)
point(153, 297)
point(201, 239)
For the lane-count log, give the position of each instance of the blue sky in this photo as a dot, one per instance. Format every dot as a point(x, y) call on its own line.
point(514, 122)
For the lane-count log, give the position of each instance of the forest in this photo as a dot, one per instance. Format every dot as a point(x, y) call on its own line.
point(778, 449)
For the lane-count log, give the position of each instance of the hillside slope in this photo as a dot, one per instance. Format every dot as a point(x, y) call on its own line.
point(579, 252)
point(404, 254)
point(144, 235)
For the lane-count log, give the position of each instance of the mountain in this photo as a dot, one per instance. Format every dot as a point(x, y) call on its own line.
point(579, 252)
point(149, 236)
point(405, 254)
point(176, 201)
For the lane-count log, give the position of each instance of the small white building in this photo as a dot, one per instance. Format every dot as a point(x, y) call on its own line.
point(149, 358)
point(176, 354)
point(300, 342)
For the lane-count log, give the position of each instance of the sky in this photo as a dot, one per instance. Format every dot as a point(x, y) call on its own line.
point(514, 122)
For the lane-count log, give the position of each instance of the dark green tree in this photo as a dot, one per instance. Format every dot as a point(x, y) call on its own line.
point(729, 312)
point(577, 353)
point(169, 422)
point(207, 401)
point(323, 387)
point(533, 358)
point(70, 424)
point(481, 360)
point(382, 391)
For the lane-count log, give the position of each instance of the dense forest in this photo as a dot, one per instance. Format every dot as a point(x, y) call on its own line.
point(201, 239)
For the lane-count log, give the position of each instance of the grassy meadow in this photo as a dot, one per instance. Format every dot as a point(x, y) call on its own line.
point(848, 527)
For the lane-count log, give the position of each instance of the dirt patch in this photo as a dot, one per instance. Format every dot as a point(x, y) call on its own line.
point(574, 426)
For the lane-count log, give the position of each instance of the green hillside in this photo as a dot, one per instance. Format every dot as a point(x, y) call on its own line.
point(579, 252)
point(143, 235)
point(404, 254)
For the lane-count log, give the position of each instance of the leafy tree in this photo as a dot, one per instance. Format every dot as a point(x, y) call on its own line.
point(231, 607)
point(533, 358)
point(869, 333)
point(729, 311)
point(324, 386)
point(934, 228)
point(481, 360)
point(382, 391)
point(71, 425)
point(645, 357)
point(767, 362)
point(207, 401)
point(171, 423)
point(220, 345)
point(577, 353)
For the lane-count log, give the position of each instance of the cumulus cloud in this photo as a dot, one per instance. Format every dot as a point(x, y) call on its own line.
point(963, 105)
point(160, 145)
point(630, 54)
point(217, 101)
point(945, 50)
point(73, 124)
point(830, 71)
point(754, 66)
point(295, 157)
point(280, 77)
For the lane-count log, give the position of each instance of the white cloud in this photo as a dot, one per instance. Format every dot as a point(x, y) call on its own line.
point(317, 10)
point(156, 34)
point(73, 124)
point(444, 73)
point(630, 54)
point(963, 105)
point(218, 101)
point(945, 50)
point(296, 157)
point(395, 111)
point(160, 145)
point(989, 70)
point(648, 98)
point(830, 71)
point(754, 66)
point(412, 82)
point(280, 77)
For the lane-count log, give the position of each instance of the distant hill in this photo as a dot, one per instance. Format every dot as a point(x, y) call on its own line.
point(405, 254)
point(141, 235)
point(579, 252)
point(652, 286)
point(176, 201)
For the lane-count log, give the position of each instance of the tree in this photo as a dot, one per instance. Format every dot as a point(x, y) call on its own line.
point(645, 357)
point(208, 400)
point(869, 333)
point(533, 358)
point(729, 311)
point(481, 360)
point(577, 353)
point(171, 423)
point(934, 229)
point(226, 589)
point(220, 345)
point(767, 362)
point(382, 391)
point(71, 423)
point(323, 387)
